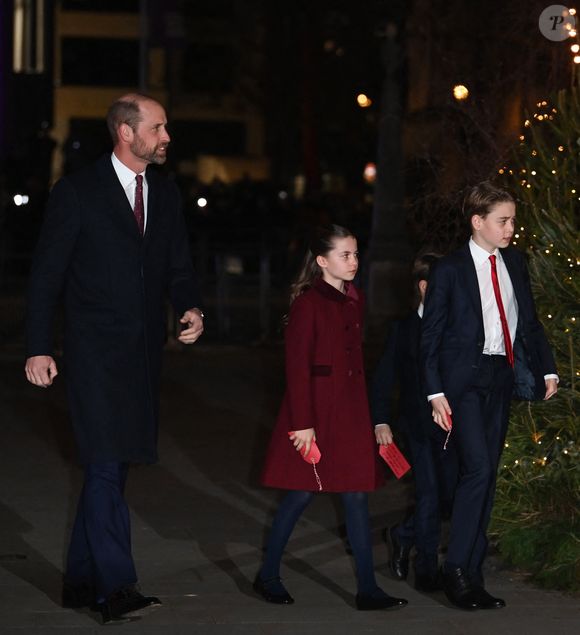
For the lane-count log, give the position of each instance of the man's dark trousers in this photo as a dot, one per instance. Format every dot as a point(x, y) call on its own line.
point(480, 419)
point(100, 548)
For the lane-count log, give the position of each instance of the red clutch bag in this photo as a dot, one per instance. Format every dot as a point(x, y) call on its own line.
point(394, 458)
point(312, 458)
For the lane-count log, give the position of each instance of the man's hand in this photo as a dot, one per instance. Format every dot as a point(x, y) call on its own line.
point(441, 410)
point(303, 439)
point(551, 388)
point(194, 320)
point(383, 434)
point(41, 370)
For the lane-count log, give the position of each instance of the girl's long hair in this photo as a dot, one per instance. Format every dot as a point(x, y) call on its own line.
point(321, 242)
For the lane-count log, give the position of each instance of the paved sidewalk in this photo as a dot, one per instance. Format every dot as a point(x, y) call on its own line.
point(199, 520)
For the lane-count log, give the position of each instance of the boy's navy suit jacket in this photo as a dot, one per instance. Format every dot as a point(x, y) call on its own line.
point(452, 336)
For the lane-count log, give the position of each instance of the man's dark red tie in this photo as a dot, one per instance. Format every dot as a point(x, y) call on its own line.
point(509, 351)
point(139, 209)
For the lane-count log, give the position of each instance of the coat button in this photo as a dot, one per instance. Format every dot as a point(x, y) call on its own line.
point(350, 373)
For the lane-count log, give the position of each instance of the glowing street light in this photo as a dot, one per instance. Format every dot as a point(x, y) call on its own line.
point(201, 202)
point(460, 92)
point(370, 172)
point(20, 199)
point(363, 101)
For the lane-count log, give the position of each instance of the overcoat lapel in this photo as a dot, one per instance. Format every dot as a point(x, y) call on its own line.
point(117, 198)
point(152, 204)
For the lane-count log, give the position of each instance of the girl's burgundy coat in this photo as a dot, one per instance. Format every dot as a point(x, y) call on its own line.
point(325, 390)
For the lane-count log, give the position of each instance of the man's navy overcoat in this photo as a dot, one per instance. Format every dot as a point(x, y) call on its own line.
point(114, 283)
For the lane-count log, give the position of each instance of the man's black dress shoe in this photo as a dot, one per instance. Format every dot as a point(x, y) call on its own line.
point(399, 563)
point(376, 603)
point(458, 589)
point(126, 602)
point(487, 601)
point(428, 582)
point(275, 596)
point(78, 596)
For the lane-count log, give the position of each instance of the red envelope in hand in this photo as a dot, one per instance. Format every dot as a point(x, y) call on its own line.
point(313, 456)
point(394, 459)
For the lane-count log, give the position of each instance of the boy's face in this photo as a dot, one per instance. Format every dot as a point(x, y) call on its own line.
point(496, 229)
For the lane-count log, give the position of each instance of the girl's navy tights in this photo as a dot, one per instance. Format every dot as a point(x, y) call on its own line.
point(357, 526)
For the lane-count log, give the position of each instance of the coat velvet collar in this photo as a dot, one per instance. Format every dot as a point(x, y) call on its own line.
point(331, 293)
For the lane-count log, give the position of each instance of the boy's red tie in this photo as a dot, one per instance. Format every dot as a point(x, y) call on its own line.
point(509, 351)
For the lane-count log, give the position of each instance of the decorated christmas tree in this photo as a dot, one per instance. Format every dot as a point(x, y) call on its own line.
point(537, 511)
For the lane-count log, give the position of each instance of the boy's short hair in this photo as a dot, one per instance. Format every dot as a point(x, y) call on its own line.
point(482, 197)
point(422, 266)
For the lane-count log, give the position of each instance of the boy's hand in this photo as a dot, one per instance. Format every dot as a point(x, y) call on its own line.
point(551, 388)
point(383, 434)
point(441, 409)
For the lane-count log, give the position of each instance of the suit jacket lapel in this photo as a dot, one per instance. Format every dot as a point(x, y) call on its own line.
point(116, 196)
point(470, 278)
point(515, 278)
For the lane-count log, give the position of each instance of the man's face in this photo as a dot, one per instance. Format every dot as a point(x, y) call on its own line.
point(496, 229)
point(150, 139)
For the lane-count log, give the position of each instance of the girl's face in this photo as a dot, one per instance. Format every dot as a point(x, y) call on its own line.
point(340, 264)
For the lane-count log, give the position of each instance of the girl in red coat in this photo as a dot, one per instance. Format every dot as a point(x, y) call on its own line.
point(326, 403)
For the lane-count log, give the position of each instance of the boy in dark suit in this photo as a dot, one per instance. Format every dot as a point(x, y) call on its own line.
point(480, 334)
point(434, 469)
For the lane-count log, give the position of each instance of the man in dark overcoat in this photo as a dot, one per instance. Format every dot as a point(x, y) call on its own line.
point(114, 244)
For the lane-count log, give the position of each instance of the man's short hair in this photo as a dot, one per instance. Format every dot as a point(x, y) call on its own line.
point(124, 110)
point(482, 197)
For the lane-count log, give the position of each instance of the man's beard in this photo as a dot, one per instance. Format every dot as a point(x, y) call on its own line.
point(141, 151)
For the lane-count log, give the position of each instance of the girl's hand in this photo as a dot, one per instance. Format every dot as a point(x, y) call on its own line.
point(303, 439)
point(383, 434)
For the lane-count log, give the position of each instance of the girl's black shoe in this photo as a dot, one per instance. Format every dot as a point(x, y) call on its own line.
point(378, 602)
point(272, 590)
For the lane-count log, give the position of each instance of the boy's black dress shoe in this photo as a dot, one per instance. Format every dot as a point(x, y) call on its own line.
point(126, 602)
point(78, 596)
point(487, 601)
point(458, 589)
point(275, 596)
point(399, 563)
point(376, 603)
